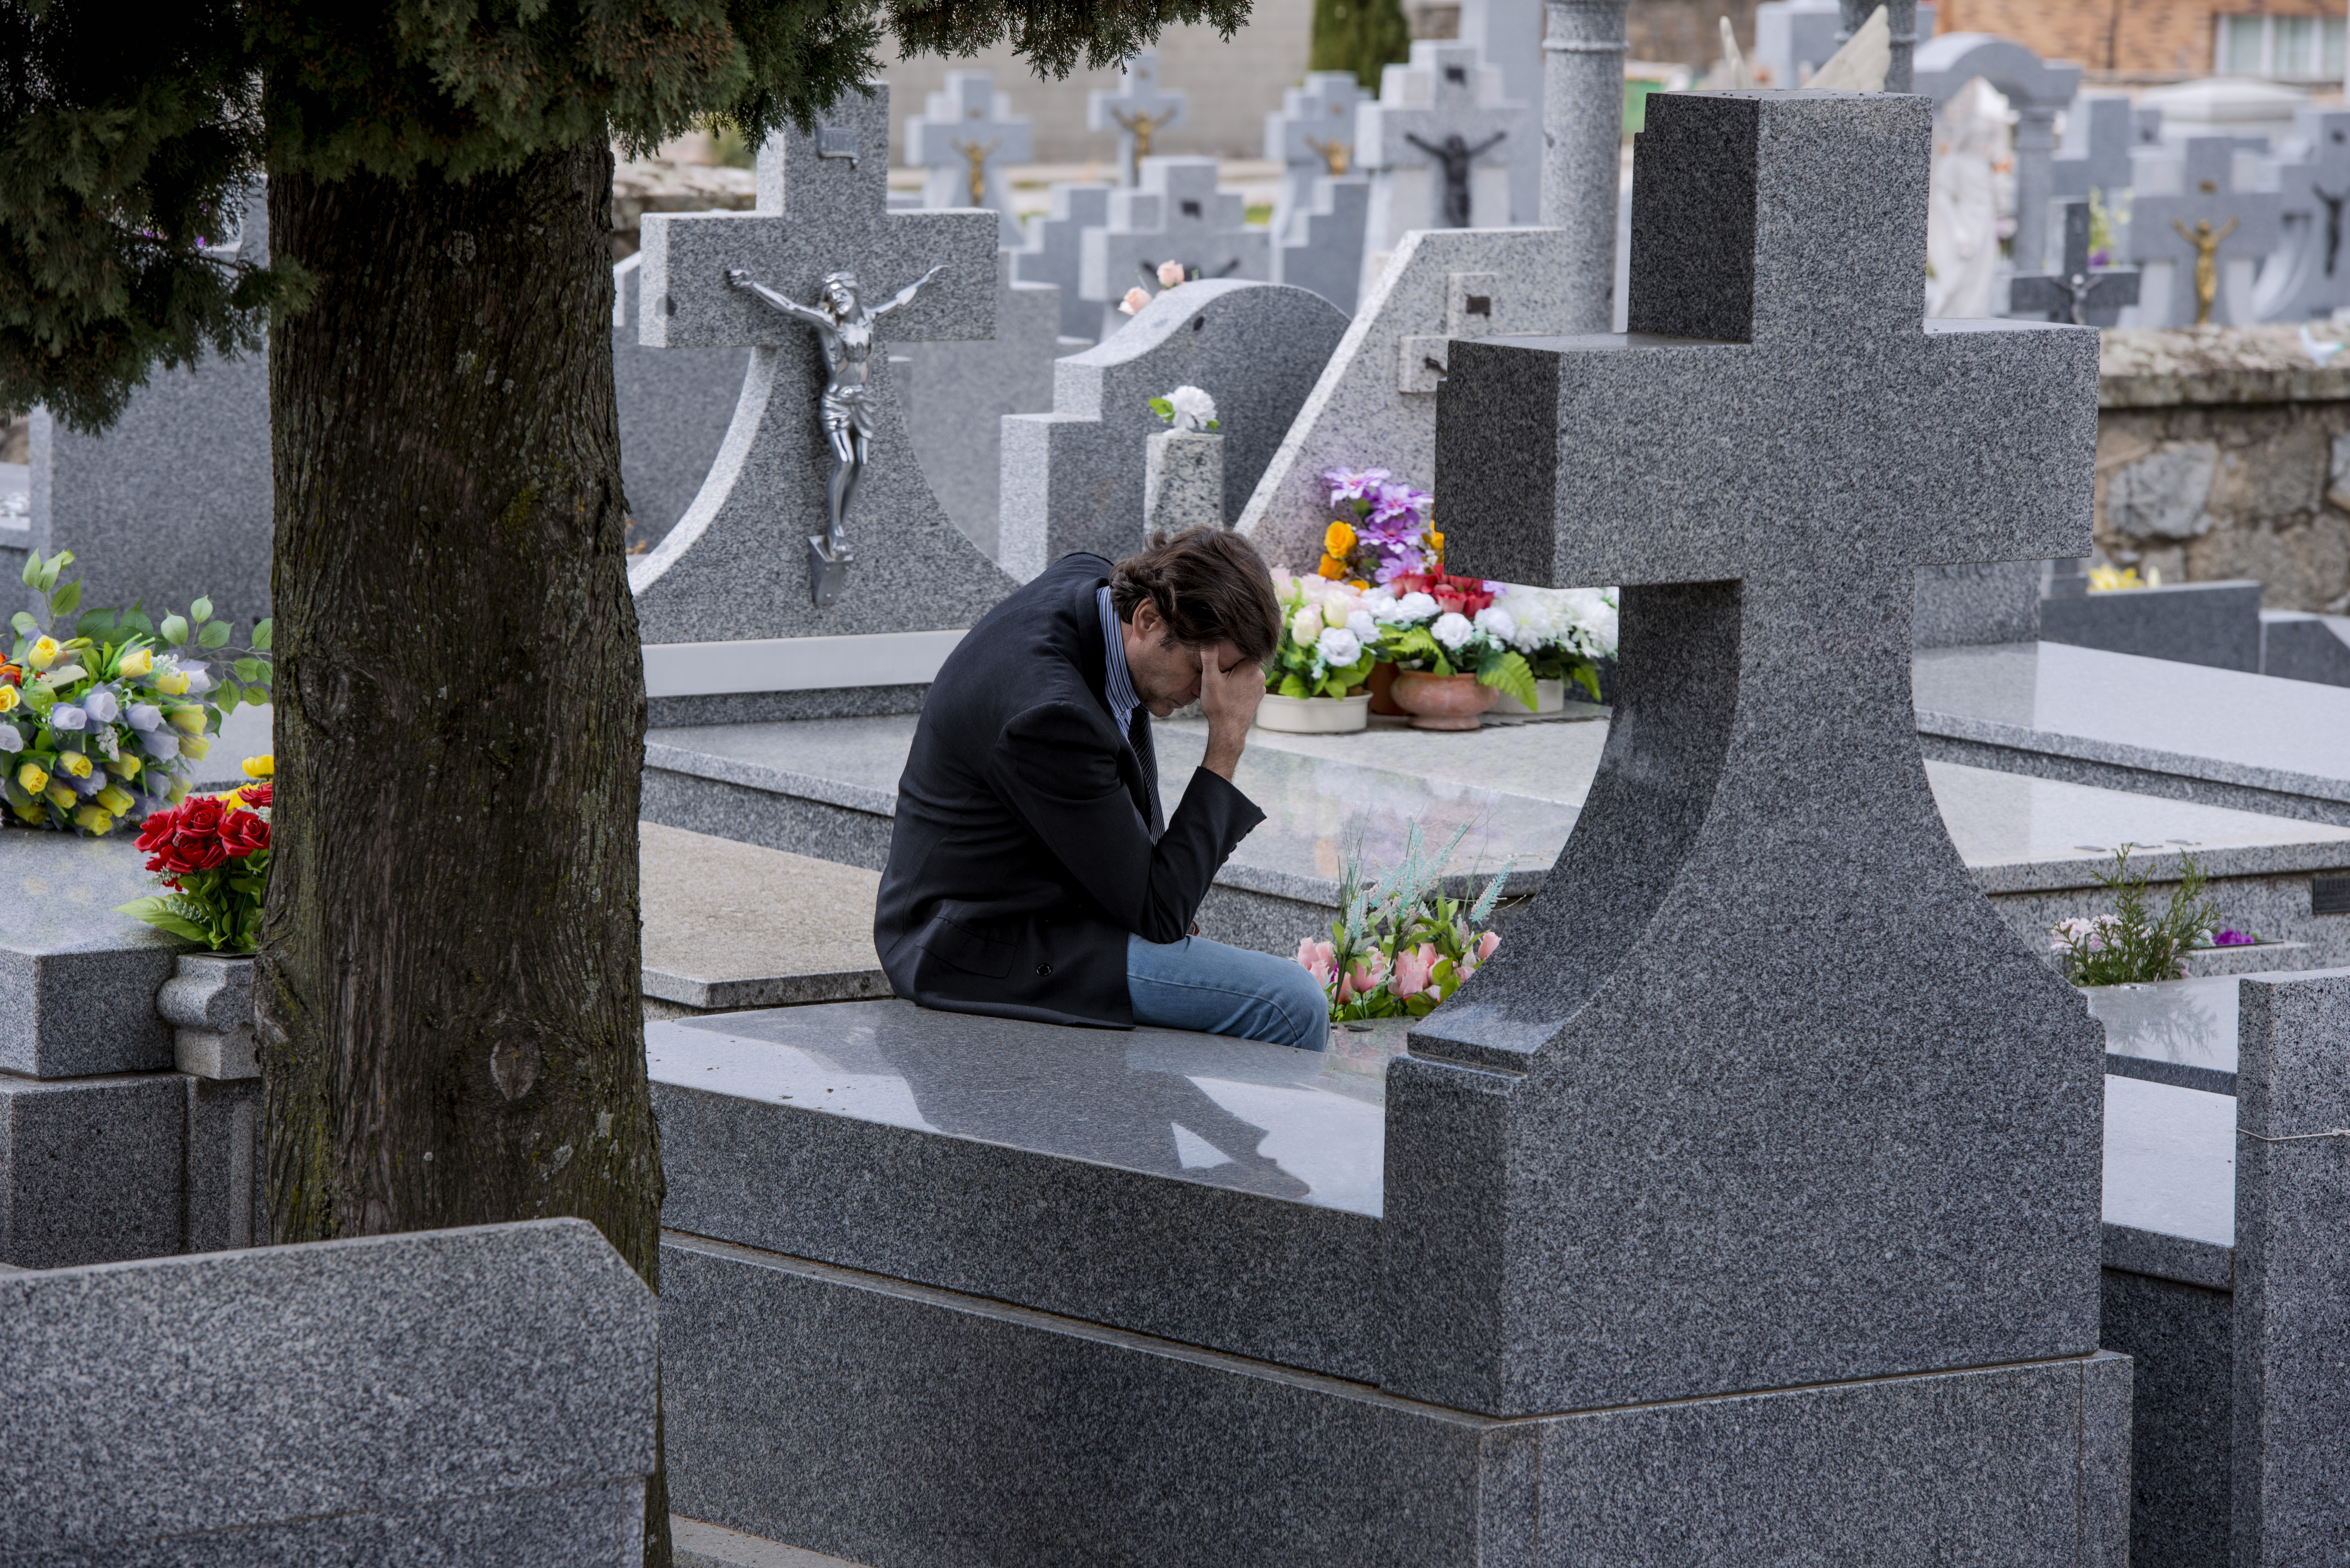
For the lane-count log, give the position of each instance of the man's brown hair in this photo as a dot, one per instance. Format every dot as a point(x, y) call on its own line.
point(1210, 586)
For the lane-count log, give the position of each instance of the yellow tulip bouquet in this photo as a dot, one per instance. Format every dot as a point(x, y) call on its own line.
point(102, 714)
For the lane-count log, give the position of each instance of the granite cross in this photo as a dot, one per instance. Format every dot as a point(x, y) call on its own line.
point(1137, 111)
point(733, 566)
point(965, 136)
point(1177, 215)
point(1311, 135)
point(2311, 277)
point(2174, 196)
point(1446, 93)
point(1760, 1092)
point(2102, 168)
point(2075, 293)
point(1056, 250)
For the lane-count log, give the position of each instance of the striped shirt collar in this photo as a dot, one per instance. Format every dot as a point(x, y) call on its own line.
point(1119, 687)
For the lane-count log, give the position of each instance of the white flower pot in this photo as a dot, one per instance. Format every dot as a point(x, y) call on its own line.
point(1549, 697)
point(1314, 715)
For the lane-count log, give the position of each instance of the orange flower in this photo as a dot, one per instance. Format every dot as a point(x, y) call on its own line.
point(1338, 541)
point(1436, 541)
point(1358, 584)
point(1331, 567)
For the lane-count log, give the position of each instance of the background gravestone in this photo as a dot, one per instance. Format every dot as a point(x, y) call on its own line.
point(1073, 478)
point(2036, 91)
point(1761, 1092)
point(1056, 250)
point(1323, 249)
point(1444, 90)
point(956, 395)
point(734, 566)
point(1508, 35)
point(175, 499)
point(675, 405)
point(1138, 109)
point(2178, 191)
point(2098, 125)
point(2310, 276)
point(1374, 405)
point(1176, 214)
point(1311, 136)
point(966, 135)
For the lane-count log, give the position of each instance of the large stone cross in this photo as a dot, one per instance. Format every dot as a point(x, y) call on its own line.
point(2187, 214)
point(2312, 278)
point(1178, 213)
point(2077, 291)
point(1444, 103)
point(966, 135)
point(2102, 169)
point(1311, 136)
point(735, 565)
point(1760, 1093)
point(1137, 111)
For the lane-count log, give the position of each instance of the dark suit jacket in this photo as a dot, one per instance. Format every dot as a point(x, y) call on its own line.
point(1024, 848)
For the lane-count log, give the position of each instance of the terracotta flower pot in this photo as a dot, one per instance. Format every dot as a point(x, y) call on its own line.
point(1442, 701)
point(1381, 684)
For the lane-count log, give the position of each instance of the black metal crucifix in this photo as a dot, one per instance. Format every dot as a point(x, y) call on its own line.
point(2077, 294)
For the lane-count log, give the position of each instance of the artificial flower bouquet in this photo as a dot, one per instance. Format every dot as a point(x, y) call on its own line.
point(1169, 274)
point(1329, 640)
point(211, 853)
point(1400, 947)
point(1563, 633)
point(1188, 410)
point(101, 716)
point(1471, 639)
point(2133, 945)
point(1382, 531)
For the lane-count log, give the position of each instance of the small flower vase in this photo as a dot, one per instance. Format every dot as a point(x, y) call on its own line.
point(1183, 481)
point(1382, 689)
point(1442, 701)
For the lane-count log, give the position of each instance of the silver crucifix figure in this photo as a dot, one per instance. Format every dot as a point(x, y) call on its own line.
point(845, 409)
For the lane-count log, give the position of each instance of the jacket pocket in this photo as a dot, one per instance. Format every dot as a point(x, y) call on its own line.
point(967, 950)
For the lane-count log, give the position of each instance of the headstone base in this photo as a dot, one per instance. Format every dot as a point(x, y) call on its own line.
point(870, 1418)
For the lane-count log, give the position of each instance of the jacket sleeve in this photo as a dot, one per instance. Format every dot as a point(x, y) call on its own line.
point(1057, 766)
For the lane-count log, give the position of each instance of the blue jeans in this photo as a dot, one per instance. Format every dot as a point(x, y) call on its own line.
point(1195, 983)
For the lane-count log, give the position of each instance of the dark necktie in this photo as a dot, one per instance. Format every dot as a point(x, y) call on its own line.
point(1137, 735)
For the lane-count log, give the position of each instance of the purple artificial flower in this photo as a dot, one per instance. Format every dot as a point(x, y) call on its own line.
point(2233, 940)
point(1346, 484)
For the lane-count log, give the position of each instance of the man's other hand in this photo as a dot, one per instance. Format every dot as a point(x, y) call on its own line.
point(1230, 689)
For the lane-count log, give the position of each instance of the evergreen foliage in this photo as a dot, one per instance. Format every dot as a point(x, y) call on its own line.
point(1360, 36)
point(125, 137)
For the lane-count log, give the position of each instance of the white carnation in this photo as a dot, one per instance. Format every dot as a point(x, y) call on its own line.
point(1305, 626)
point(1339, 648)
point(1194, 410)
point(1451, 628)
point(1495, 622)
point(1411, 608)
point(1365, 628)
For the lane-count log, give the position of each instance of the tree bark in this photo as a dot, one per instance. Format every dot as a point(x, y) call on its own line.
point(450, 1001)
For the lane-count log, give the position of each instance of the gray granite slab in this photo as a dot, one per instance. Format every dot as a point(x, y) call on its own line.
point(730, 924)
point(2180, 1338)
point(735, 565)
point(2170, 1161)
point(966, 136)
point(2298, 647)
point(1174, 212)
point(1312, 137)
point(2292, 1389)
point(1370, 408)
point(1219, 1191)
point(1056, 239)
point(1322, 248)
point(78, 980)
point(173, 500)
point(1994, 601)
point(675, 406)
point(2149, 725)
point(881, 1421)
point(2216, 623)
point(1073, 478)
point(91, 1168)
point(442, 1397)
point(224, 1191)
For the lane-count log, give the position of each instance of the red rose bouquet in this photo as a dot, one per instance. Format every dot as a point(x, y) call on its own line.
point(211, 853)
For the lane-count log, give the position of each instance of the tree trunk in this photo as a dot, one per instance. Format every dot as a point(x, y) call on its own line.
point(449, 1004)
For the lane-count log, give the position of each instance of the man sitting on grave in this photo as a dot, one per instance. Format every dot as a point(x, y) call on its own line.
point(1032, 874)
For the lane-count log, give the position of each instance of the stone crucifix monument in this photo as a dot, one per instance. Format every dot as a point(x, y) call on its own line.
point(1137, 111)
point(2077, 291)
point(1760, 1094)
point(1432, 143)
point(817, 442)
point(2199, 236)
point(966, 135)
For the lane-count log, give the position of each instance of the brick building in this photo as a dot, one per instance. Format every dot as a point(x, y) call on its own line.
point(2297, 41)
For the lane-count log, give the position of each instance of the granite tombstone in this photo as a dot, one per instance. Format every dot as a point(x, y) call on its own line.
point(2310, 276)
point(1312, 137)
point(1138, 109)
point(1787, 841)
point(2075, 292)
point(1431, 143)
point(675, 406)
point(1072, 479)
point(2197, 233)
point(1175, 213)
point(2099, 131)
point(965, 136)
point(1056, 251)
point(1322, 249)
point(725, 603)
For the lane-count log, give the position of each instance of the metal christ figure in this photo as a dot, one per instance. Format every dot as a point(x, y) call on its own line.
point(976, 154)
point(1455, 154)
point(2206, 241)
point(845, 409)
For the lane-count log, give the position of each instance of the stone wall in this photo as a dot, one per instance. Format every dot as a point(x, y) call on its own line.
point(2225, 453)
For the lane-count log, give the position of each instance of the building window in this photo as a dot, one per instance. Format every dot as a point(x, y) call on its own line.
point(2284, 49)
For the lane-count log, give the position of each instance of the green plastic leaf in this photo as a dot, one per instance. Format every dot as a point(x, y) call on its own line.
point(212, 636)
point(1294, 686)
point(97, 625)
point(135, 619)
point(24, 622)
point(200, 611)
point(1587, 677)
point(1163, 409)
point(175, 630)
point(261, 631)
point(156, 912)
point(256, 695)
point(49, 574)
point(248, 668)
point(67, 599)
point(1510, 673)
point(226, 700)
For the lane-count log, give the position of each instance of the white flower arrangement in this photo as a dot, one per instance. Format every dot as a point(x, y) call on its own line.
point(1187, 409)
